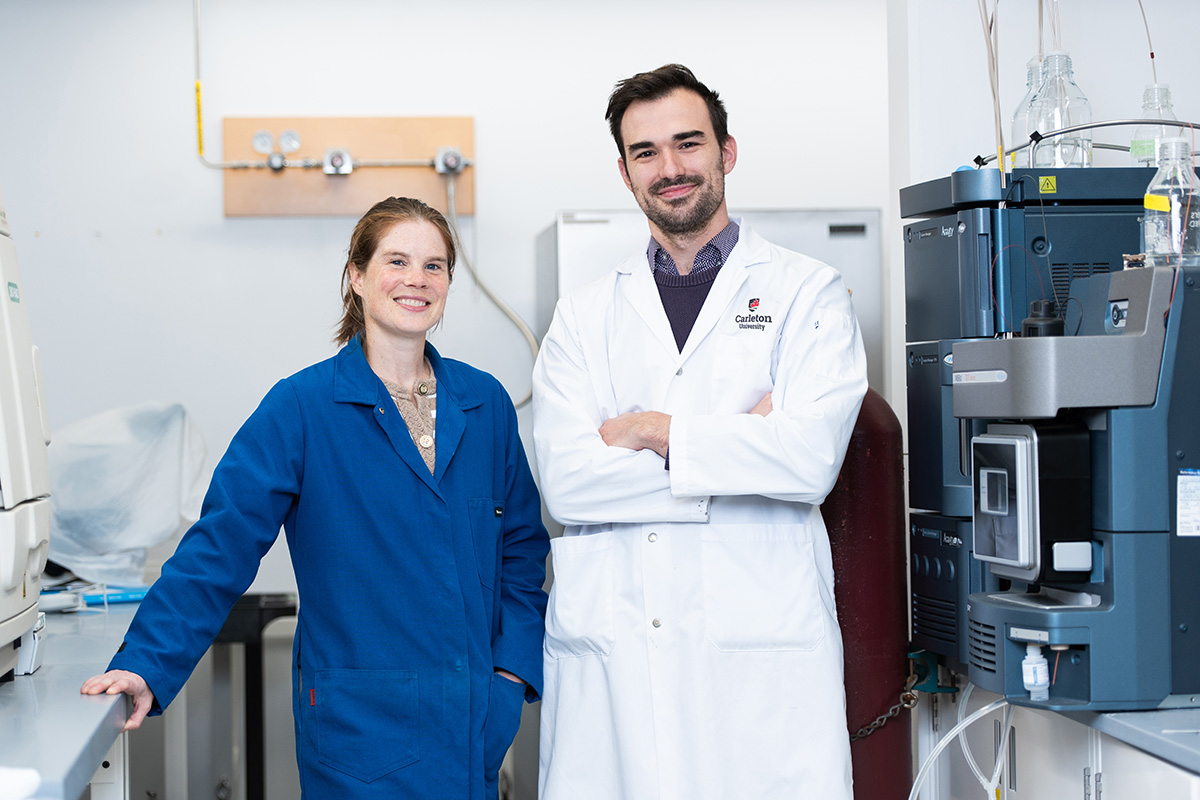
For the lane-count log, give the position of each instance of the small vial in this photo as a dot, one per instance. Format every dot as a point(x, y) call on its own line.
point(1035, 672)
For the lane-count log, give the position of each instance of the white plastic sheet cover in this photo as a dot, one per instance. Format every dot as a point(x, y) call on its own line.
point(122, 481)
point(18, 783)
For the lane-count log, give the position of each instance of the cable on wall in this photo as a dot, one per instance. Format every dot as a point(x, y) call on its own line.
point(496, 300)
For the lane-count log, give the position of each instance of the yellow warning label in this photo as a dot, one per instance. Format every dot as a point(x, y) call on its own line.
point(1157, 202)
point(1047, 184)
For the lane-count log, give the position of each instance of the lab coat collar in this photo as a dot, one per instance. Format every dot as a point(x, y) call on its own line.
point(750, 249)
point(453, 398)
point(641, 292)
point(355, 382)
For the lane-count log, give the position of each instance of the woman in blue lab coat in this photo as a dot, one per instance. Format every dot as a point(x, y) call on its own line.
point(415, 533)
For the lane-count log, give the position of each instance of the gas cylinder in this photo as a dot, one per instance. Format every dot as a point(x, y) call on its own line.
point(864, 515)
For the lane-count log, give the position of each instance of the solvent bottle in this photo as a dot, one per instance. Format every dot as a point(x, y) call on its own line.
point(1020, 120)
point(1043, 320)
point(1060, 103)
point(1172, 204)
point(1156, 104)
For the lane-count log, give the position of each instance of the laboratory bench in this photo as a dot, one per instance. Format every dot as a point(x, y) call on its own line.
point(48, 725)
point(65, 736)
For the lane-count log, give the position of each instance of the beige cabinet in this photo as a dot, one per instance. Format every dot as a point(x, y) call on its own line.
point(1050, 757)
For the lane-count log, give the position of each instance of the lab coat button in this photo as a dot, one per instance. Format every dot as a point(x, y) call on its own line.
point(653, 537)
point(679, 371)
point(657, 622)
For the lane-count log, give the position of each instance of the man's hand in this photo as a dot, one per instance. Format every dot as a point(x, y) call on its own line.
point(638, 430)
point(116, 681)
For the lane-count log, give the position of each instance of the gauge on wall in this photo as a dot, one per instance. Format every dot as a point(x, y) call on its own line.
point(289, 141)
point(264, 142)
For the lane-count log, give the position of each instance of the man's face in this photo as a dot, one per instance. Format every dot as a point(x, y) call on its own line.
point(673, 163)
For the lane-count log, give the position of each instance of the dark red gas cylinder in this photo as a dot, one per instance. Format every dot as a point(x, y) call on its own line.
point(864, 515)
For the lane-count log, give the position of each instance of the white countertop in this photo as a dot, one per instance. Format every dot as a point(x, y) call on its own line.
point(46, 723)
point(1172, 734)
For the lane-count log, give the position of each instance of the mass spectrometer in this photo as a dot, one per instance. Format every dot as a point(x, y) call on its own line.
point(1054, 480)
point(24, 469)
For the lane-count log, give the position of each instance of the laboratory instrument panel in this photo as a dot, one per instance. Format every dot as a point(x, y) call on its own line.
point(24, 468)
point(1054, 479)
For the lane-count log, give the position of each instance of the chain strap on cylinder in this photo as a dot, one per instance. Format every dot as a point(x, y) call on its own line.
point(908, 700)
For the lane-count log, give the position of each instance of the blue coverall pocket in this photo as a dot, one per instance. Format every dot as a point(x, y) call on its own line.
point(367, 722)
point(505, 701)
point(487, 529)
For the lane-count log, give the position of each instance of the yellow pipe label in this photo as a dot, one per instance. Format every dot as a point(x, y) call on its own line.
point(1157, 202)
point(199, 126)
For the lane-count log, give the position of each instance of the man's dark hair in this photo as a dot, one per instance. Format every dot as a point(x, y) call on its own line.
point(656, 85)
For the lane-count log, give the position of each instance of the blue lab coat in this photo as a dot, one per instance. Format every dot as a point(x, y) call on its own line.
point(413, 587)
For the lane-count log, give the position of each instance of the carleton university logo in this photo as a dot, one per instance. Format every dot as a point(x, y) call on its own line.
point(752, 320)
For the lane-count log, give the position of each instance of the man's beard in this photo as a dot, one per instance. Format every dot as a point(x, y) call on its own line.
point(704, 205)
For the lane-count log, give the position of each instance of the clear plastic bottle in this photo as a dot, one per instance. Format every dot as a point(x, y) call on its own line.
point(1060, 103)
point(1156, 104)
point(1020, 118)
point(1172, 205)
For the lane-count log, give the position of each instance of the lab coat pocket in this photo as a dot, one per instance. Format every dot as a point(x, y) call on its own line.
point(742, 370)
point(579, 619)
point(487, 529)
point(760, 588)
point(367, 722)
point(503, 718)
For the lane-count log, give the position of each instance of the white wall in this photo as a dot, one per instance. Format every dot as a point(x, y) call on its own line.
point(138, 286)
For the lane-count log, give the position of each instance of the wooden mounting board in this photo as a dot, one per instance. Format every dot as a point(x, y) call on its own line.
point(296, 191)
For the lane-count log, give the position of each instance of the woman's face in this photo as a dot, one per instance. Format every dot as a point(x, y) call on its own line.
point(404, 285)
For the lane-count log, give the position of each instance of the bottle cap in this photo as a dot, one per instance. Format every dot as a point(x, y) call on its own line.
point(1042, 309)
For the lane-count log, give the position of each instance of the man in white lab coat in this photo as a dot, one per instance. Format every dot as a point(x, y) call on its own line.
point(691, 412)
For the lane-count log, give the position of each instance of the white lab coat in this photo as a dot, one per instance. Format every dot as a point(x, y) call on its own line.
point(692, 649)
